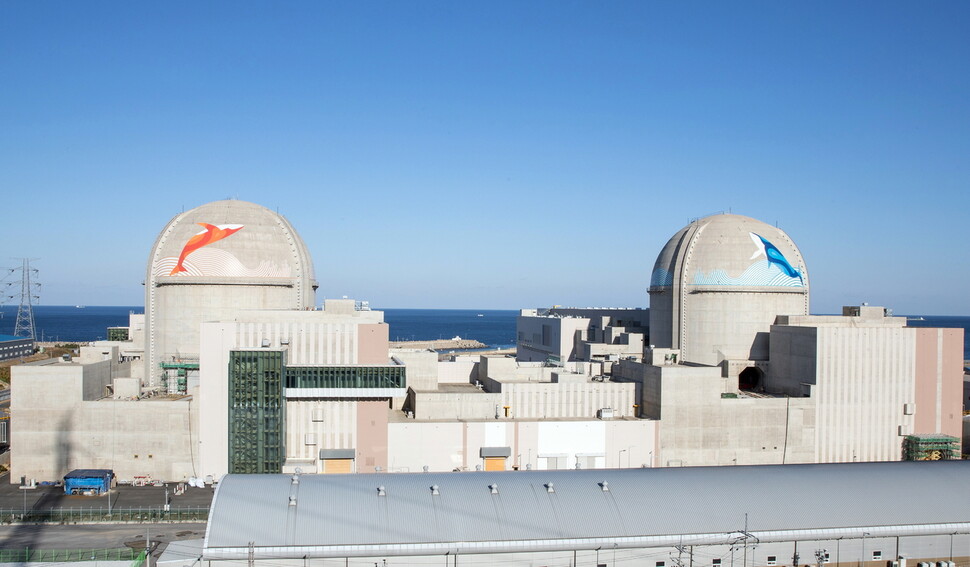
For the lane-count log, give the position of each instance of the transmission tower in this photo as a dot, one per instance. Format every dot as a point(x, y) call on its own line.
point(29, 292)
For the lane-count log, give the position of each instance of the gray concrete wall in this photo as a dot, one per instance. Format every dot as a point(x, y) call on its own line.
point(700, 427)
point(464, 370)
point(421, 367)
point(560, 337)
point(793, 360)
point(58, 431)
point(454, 405)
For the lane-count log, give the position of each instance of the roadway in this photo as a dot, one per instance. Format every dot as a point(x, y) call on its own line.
point(12, 497)
point(96, 536)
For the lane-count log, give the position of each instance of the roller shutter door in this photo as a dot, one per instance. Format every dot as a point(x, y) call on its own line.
point(338, 466)
point(495, 463)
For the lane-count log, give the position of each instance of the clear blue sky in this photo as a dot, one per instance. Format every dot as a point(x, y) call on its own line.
point(492, 154)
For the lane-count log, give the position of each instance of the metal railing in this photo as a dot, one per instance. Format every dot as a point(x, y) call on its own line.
point(60, 555)
point(97, 515)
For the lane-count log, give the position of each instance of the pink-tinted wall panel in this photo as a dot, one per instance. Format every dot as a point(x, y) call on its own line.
point(372, 343)
point(953, 382)
point(924, 420)
point(939, 381)
point(371, 435)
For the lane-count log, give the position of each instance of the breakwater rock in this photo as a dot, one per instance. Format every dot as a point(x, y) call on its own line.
point(441, 344)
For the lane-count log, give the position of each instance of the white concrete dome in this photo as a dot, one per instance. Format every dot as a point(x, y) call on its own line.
point(718, 285)
point(213, 260)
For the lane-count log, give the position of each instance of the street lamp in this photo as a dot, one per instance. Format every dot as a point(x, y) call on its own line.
point(864, 534)
point(619, 463)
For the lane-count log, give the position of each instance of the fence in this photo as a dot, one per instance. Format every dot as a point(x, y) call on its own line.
point(95, 515)
point(58, 555)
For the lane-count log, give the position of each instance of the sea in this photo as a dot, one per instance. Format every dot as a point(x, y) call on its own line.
point(495, 328)
point(70, 323)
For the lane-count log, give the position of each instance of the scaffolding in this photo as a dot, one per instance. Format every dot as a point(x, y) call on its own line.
point(930, 447)
point(182, 367)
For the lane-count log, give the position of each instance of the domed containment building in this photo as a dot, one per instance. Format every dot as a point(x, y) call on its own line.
point(718, 285)
point(209, 262)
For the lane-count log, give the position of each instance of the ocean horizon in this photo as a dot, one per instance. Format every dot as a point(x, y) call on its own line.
point(493, 327)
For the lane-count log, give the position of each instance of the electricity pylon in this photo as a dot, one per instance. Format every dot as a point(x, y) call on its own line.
point(29, 292)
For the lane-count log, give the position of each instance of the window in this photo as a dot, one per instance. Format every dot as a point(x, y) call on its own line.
point(660, 564)
point(772, 560)
point(876, 555)
point(716, 562)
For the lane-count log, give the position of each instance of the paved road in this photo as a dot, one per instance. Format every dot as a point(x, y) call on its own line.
point(46, 497)
point(95, 536)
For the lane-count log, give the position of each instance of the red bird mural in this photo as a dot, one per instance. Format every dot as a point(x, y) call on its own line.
point(211, 234)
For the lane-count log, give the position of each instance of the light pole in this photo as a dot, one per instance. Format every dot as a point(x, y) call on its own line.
point(619, 463)
point(864, 534)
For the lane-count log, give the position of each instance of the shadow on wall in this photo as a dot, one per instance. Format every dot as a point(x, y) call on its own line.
point(63, 457)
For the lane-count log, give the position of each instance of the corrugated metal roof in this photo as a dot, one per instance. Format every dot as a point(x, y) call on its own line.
point(347, 510)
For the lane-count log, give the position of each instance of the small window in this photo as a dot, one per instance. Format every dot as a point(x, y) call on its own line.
point(660, 564)
point(772, 560)
point(716, 562)
point(876, 555)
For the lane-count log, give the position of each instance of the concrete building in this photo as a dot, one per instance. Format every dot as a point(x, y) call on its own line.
point(209, 262)
point(864, 515)
point(78, 413)
point(736, 372)
point(875, 380)
point(564, 334)
point(234, 369)
point(510, 414)
point(297, 389)
point(718, 285)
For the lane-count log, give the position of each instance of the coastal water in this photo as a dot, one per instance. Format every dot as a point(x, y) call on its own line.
point(492, 327)
point(79, 324)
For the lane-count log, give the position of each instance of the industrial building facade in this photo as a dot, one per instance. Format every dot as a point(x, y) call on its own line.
point(235, 369)
point(15, 347)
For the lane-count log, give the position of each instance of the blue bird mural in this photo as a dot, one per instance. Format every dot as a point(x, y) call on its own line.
point(774, 256)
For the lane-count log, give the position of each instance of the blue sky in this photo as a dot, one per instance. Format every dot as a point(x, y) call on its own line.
point(492, 154)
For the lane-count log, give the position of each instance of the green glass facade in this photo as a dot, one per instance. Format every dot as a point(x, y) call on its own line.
point(345, 377)
point(117, 333)
point(257, 412)
point(257, 401)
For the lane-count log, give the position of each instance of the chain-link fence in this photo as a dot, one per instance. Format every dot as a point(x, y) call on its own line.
point(137, 557)
point(94, 515)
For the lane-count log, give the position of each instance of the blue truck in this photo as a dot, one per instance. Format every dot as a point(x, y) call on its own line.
point(84, 480)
